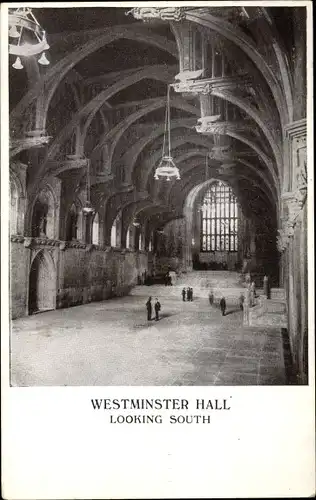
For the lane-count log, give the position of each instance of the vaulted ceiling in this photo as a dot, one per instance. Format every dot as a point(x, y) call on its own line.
point(104, 96)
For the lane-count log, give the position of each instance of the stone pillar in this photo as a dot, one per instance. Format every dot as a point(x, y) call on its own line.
point(292, 242)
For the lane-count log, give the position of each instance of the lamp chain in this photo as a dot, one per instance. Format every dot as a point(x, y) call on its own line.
point(88, 180)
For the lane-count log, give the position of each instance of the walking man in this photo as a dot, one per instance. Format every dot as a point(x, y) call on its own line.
point(183, 294)
point(191, 294)
point(211, 298)
point(149, 309)
point(157, 309)
point(223, 306)
point(188, 294)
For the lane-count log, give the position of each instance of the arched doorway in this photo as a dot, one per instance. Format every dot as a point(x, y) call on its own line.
point(42, 284)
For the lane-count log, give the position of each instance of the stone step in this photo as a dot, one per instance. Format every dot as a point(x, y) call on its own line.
point(232, 295)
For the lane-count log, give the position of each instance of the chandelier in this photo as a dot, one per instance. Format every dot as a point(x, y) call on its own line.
point(88, 208)
point(29, 36)
point(167, 167)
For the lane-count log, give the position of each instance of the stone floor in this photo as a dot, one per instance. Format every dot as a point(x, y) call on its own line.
point(112, 343)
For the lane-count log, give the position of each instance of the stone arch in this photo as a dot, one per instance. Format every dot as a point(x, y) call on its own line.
point(55, 75)
point(129, 159)
point(158, 72)
point(89, 110)
point(179, 141)
point(247, 108)
point(17, 197)
point(130, 211)
point(14, 204)
point(192, 167)
point(114, 135)
point(42, 283)
point(234, 34)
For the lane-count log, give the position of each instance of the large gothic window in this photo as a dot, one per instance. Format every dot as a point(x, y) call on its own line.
point(219, 224)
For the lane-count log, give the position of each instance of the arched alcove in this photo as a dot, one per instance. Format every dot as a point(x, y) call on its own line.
point(95, 230)
point(74, 228)
point(42, 284)
point(140, 240)
point(116, 231)
point(44, 215)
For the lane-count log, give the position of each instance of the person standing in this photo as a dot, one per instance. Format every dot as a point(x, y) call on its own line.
point(166, 279)
point(211, 298)
point(252, 289)
point(188, 294)
point(191, 294)
point(183, 294)
point(241, 302)
point(223, 306)
point(149, 309)
point(157, 309)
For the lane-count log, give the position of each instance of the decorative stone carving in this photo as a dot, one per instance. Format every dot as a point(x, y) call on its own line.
point(163, 13)
point(192, 87)
point(191, 82)
point(186, 75)
point(63, 245)
point(76, 244)
point(27, 242)
point(17, 239)
point(207, 125)
point(285, 235)
point(36, 139)
point(222, 153)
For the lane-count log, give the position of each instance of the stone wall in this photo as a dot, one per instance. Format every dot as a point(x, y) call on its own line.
point(82, 273)
point(292, 242)
point(296, 284)
point(19, 264)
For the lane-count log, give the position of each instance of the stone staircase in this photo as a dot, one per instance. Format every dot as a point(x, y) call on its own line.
point(270, 313)
point(220, 283)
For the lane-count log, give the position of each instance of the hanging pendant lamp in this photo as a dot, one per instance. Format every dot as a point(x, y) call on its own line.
point(43, 60)
point(88, 208)
point(167, 168)
point(26, 36)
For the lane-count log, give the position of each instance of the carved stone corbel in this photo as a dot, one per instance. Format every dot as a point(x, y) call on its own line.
point(163, 13)
point(286, 233)
point(28, 242)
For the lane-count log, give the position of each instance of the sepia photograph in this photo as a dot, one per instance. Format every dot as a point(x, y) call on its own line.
point(157, 250)
point(159, 184)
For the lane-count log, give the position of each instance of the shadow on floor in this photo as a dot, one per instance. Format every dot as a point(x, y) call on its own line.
point(166, 315)
point(232, 311)
point(149, 323)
